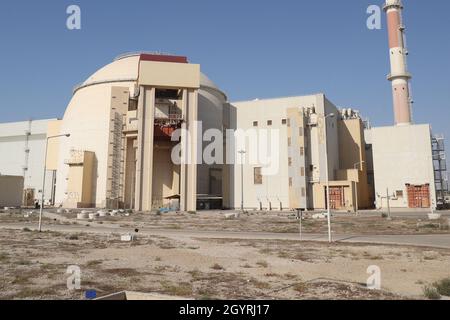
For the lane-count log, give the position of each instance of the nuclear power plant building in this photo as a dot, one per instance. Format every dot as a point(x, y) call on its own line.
point(115, 145)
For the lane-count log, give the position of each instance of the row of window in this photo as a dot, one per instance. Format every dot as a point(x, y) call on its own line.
point(303, 190)
point(270, 122)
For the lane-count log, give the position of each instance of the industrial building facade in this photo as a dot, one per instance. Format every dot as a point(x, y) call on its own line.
point(312, 131)
point(128, 119)
point(123, 119)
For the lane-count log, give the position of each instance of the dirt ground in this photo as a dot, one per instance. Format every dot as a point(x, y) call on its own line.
point(285, 222)
point(33, 266)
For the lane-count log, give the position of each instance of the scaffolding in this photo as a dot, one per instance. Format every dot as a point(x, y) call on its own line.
point(117, 158)
point(440, 169)
point(27, 150)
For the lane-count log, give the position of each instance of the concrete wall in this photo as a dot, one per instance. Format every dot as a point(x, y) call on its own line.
point(275, 188)
point(11, 191)
point(87, 120)
point(13, 154)
point(353, 151)
point(402, 155)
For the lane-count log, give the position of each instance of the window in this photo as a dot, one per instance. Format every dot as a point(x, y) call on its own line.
point(399, 193)
point(269, 122)
point(257, 176)
point(300, 131)
point(290, 161)
point(288, 122)
point(132, 105)
point(311, 167)
point(284, 121)
point(303, 192)
point(290, 182)
point(289, 142)
point(255, 123)
point(302, 171)
point(302, 151)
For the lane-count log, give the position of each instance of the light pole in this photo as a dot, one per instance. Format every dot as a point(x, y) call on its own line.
point(331, 115)
point(242, 153)
point(43, 180)
point(357, 183)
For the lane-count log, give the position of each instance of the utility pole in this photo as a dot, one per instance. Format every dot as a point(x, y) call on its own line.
point(242, 153)
point(388, 204)
point(357, 184)
point(300, 217)
point(43, 181)
point(331, 115)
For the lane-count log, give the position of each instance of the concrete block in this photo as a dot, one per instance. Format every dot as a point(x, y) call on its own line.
point(232, 216)
point(102, 213)
point(320, 216)
point(434, 216)
point(127, 237)
point(82, 216)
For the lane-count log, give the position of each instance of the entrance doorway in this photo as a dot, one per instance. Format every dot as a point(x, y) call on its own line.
point(337, 198)
point(418, 196)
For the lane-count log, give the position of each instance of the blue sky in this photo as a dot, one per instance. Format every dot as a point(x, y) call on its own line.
point(251, 49)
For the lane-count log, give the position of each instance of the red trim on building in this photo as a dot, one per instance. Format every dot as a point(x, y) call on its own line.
point(163, 58)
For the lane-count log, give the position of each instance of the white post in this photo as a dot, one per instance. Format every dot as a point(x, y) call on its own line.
point(357, 184)
point(43, 180)
point(330, 239)
point(242, 152)
point(43, 188)
point(388, 204)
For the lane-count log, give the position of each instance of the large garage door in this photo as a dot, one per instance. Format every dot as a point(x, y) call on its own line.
point(337, 198)
point(418, 196)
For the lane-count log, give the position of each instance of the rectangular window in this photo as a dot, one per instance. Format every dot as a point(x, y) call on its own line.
point(257, 176)
point(255, 123)
point(302, 151)
point(289, 142)
point(288, 122)
point(303, 192)
point(399, 193)
point(269, 122)
point(311, 167)
point(284, 121)
point(290, 162)
point(290, 182)
point(300, 131)
point(302, 171)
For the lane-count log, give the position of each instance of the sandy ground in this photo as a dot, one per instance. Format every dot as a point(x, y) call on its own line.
point(33, 266)
point(281, 223)
point(284, 222)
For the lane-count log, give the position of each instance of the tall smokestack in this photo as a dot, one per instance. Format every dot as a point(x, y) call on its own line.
point(399, 75)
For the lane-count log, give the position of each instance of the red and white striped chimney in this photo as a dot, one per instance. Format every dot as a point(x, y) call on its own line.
point(399, 75)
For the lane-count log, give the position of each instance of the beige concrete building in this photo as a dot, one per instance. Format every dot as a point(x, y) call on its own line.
point(311, 131)
point(403, 166)
point(122, 121)
point(130, 120)
point(11, 191)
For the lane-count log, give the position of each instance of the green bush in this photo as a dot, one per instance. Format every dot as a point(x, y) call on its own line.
point(431, 293)
point(443, 287)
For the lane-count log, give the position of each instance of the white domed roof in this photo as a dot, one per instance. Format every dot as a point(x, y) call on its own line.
point(126, 69)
